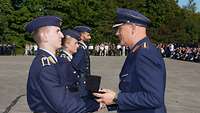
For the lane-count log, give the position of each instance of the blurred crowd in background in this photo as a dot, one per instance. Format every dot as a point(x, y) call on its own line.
point(8, 49)
point(180, 52)
point(175, 51)
point(103, 49)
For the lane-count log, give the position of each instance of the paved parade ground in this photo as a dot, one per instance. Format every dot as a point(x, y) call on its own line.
point(182, 91)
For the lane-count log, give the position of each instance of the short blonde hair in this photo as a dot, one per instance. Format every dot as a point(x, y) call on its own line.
point(66, 39)
point(38, 33)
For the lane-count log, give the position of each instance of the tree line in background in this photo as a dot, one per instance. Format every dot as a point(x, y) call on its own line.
point(170, 23)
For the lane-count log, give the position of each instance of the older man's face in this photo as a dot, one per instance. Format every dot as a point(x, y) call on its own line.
point(125, 34)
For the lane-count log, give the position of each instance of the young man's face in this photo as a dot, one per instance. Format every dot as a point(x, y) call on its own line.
point(72, 45)
point(85, 36)
point(54, 36)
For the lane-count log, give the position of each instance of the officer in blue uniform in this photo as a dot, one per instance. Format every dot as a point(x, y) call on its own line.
point(48, 89)
point(143, 75)
point(69, 47)
point(69, 44)
point(81, 58)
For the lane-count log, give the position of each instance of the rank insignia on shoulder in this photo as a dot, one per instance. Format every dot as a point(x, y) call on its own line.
point(47, 61)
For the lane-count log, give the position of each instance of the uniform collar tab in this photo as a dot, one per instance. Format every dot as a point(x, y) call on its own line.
point(68, 55)
point(83, 44)
point(139, 43)
point(49, 53)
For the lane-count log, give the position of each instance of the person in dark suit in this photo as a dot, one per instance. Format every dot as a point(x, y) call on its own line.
point(49, 90)
point(143, 75)
point(82, 58)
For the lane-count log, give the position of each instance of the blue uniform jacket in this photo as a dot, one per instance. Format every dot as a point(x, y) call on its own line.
point(142, 81)
point(78, 79)
point(50, 91)
point(82, 60)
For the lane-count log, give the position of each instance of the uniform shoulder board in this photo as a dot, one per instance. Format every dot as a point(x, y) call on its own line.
point(46, 61)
